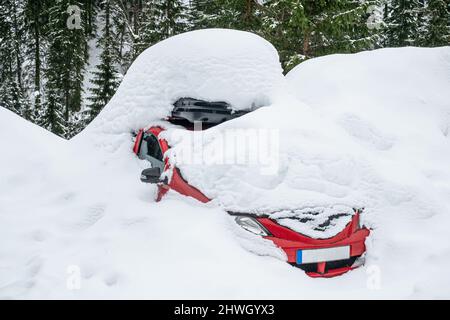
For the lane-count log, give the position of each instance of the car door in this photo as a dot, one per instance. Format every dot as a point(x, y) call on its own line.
point(151, 151)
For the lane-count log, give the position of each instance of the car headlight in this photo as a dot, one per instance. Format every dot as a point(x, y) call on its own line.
point(252, 225)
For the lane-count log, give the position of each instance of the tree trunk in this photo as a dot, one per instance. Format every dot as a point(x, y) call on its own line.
point(306, 40)
point(89, 18)
point(67, 105)
point(17, 45)
point(248, 10)
point(37, 53)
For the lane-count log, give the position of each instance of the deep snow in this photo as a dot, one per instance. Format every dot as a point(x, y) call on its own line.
point(216, 65)
point(351, 141)
point(369, 129)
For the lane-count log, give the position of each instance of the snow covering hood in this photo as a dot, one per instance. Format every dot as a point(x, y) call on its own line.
point(278, 161)
point(237, 67)
point(314, 164)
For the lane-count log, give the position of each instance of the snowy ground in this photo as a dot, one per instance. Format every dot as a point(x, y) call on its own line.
point(369, 129)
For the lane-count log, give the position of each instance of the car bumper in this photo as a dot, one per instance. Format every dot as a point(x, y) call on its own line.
point(352, 237)
point(356, 241)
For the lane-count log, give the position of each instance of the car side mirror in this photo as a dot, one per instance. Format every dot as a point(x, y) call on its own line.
point(151, 175)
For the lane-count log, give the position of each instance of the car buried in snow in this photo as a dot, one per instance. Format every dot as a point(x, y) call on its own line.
point(327, 257)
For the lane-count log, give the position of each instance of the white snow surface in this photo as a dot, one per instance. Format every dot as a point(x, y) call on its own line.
point(371, 145)
point(233, 66)
point(368, 130)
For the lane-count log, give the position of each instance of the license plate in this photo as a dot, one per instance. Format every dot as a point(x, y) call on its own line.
point(323, 255)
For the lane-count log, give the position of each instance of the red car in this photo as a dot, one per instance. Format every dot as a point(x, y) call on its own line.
point(317, 257)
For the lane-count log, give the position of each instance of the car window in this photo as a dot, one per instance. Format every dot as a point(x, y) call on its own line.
point(153, 147)
point(150, 150)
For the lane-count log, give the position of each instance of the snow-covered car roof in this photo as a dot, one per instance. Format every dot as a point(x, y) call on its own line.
point(236, 67)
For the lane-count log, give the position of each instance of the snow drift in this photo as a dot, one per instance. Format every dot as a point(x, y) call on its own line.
point(395, 104)
point(75, 221)
point(233, 66)
point(315, 174)
point(330, 158)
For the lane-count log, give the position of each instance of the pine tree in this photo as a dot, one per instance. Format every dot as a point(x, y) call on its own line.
point(172, 16)
point(148, 30)
point(12, 89)
point(132, 22)
point(51, 117)
point(123, 33)
point(202, 14)
point(90, 14)
point(105, 79)
point(284, 24)
point(230, 14)
point(35, 17)
point(308, 28)
point(146, 22)
point(438, 27)
point(404, 23)
point(12, 98)
point(337, 26)
point(65, 65)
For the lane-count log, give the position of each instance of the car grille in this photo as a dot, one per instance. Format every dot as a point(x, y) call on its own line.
point(330, 265)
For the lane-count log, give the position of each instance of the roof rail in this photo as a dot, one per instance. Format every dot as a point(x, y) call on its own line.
point(208, 113)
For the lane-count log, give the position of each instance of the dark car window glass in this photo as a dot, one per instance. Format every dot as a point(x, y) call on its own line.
point(153, 148)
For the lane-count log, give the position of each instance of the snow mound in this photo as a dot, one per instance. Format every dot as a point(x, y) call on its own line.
point(299, 168)
point(365, 143)
point(395, 104)
point(27, 153)
point(212, 64)
point(379, 94)
point(75, 221)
